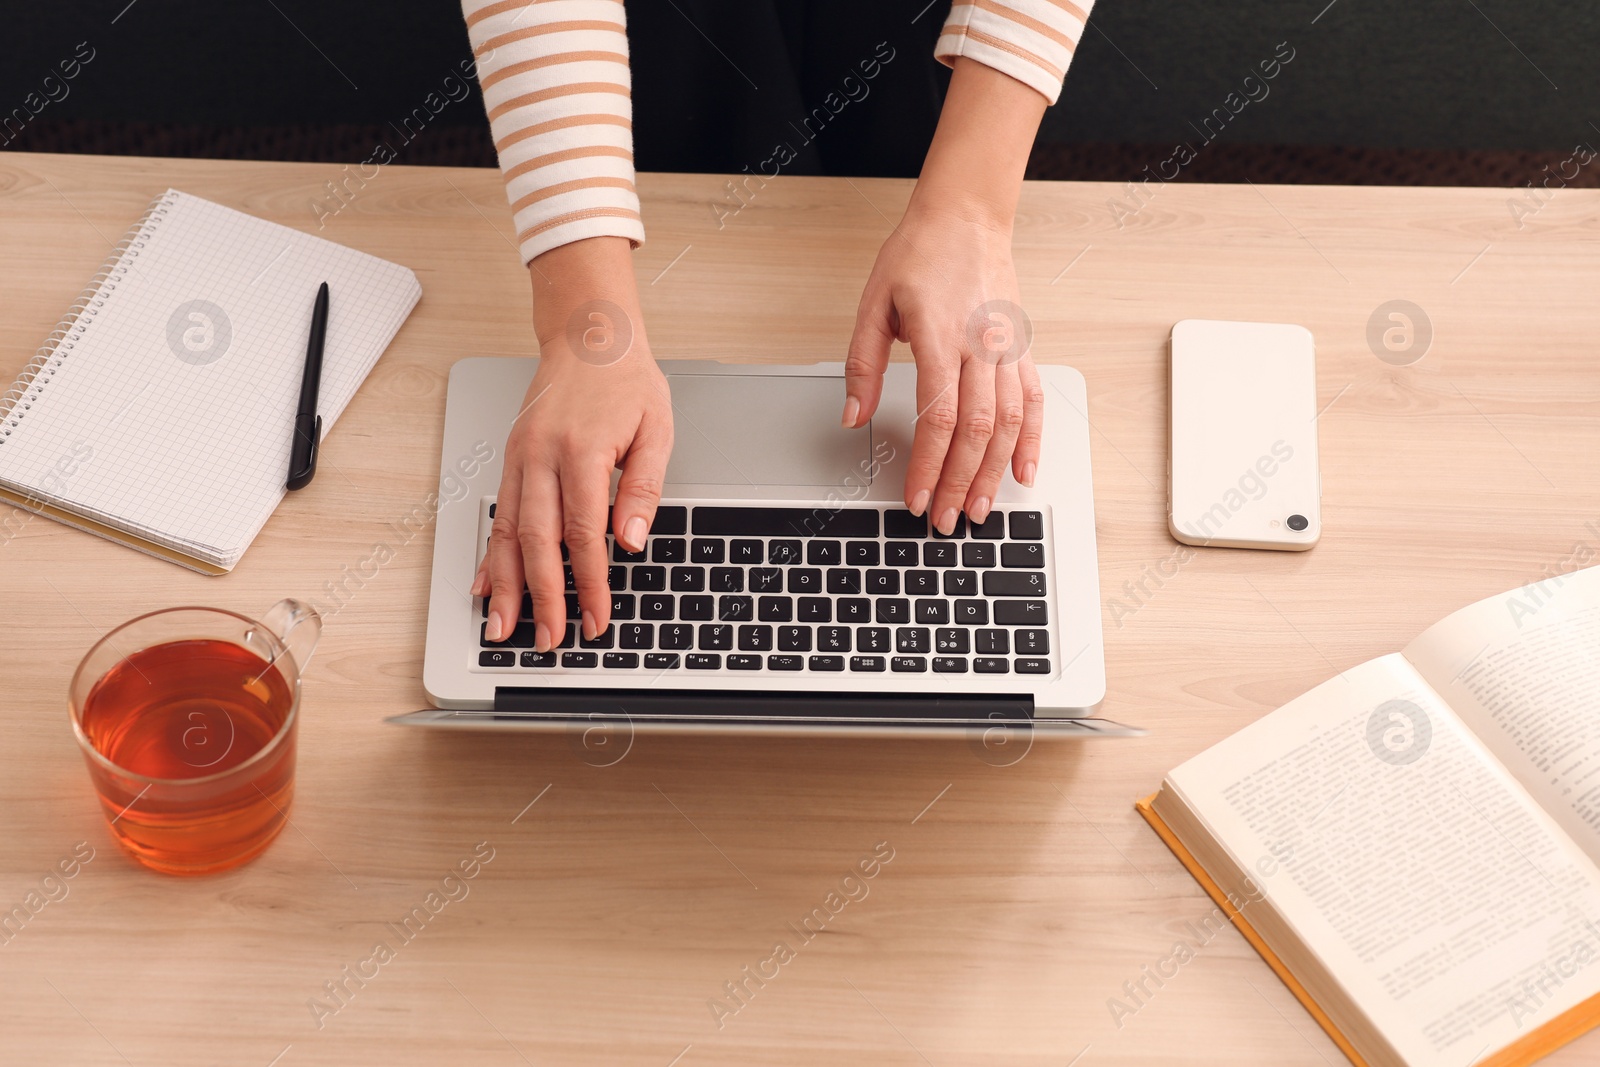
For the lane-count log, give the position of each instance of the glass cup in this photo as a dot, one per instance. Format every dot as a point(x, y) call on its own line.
point(187, 720)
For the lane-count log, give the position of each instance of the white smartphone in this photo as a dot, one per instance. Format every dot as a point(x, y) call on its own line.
point(1243, 471)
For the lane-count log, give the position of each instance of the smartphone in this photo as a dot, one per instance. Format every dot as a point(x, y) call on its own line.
point(1243, 470)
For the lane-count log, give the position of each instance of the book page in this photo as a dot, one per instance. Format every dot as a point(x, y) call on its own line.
point(1452, 910)
point(1522, 670)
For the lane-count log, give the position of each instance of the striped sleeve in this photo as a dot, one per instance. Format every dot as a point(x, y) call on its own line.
point(556, 86)
point(1031, 40)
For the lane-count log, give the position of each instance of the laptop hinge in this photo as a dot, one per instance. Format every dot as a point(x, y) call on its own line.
point(643, 704)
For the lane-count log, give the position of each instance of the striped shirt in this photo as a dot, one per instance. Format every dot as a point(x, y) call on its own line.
point(556, 86)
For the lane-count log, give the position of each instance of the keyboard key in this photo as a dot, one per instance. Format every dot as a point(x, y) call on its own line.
point(1033, 642)
point(717, 636)
point(700, 661)
point(1033, 666)
point(861, 553)
point(621, 660)
point(908, 664)
point(604, 639)
point(883, 583)
point(1027, 526)
point(746, 552)
point(636, 635)
point(678, 635)
point(622, 555)
point(579, 659)
point(959, 531)
point(842, 580)
point(783, 551)
point(570, 581)
point(662, 661)
point(815, 609)
point(785, 522)
point(786, 663)
point(901, 554)
point(617, 577)
point(901, 523)
point(649, 579)
point(853, 609)
point(735, 608)
point(727, 579)
point(977, 554)
point(960, 583)
point(866, 663)
point(824, 553)
point(539, 659)
point(766, 579)
point(872, 639)
point(774, 609)
point(655, 606)
point(911, 639)
point(706, 550)
point(744, 663)
point(497, 657)
point(794, 638)
point(1022, 554)
point(805, 580)
point(938, 554)
point(694, 608)
point(952, 641)
point(833, 639)
point(688, 579)
point(991, 529)
point(1013, 583)
point(993, 642)
point(755, 638)
point(972, 612)
point(569, 636)
point(574, 611)
point(922, 583)
point(622, 606)
point(669, 550)
point(670, 519)
point(893, 609)
point(521, 637)
point(933, 611)
point(949, 665)
point(1020, 613)
point(991, 665)
point(826, 663)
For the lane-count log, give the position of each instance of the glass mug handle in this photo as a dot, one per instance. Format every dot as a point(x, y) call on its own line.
point(297, 627)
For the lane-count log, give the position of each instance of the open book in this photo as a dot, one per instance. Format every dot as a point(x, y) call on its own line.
point(1414, 846)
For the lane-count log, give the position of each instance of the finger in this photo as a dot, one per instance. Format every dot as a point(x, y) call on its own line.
point(539, 538)
point(1007, 426)
point(868, 356)
point(639, 488)
point(938, 403)
point(974, 430)
point(503, 561)
point(1025, 459)
point(585, 487)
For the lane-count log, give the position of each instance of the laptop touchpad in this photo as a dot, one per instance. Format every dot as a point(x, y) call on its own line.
point(757, 429)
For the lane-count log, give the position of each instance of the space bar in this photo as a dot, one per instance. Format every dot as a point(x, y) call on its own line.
point(786, 522)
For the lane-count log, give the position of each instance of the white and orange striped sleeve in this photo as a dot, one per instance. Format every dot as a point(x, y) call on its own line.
point(557, 89)
point(1031, 40)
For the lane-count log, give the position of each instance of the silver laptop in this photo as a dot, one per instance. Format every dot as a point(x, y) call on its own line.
point(785, 587)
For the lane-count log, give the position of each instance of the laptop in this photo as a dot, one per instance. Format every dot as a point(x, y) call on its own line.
point(785, 588)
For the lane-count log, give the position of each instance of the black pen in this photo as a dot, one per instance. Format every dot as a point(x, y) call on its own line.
point(307, 423)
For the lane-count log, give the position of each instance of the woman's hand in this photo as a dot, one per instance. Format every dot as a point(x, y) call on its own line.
point(944, 283)
point(598, 401)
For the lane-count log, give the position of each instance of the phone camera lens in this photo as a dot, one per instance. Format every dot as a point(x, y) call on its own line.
point(1298, 522)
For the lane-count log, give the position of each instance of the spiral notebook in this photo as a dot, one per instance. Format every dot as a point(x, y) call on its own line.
point(160, 411)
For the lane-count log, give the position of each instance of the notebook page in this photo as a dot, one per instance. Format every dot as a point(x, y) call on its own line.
point(178, 400)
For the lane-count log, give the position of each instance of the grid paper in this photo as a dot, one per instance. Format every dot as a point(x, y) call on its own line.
point(192, 454)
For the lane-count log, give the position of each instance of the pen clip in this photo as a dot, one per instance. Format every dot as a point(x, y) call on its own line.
point(300, 477)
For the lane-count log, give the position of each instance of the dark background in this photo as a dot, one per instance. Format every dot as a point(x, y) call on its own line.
point(1425, 92)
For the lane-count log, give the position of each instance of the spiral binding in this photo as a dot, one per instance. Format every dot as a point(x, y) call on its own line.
point(68, 332)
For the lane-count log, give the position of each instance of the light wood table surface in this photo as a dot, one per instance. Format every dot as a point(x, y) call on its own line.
point(1020, 898)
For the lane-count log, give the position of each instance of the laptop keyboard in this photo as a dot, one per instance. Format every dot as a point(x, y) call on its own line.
point(810, 590)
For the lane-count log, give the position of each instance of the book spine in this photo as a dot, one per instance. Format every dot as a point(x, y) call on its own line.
point(69, 332)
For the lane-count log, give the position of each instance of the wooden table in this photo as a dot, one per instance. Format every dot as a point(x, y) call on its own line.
point(1019, 898)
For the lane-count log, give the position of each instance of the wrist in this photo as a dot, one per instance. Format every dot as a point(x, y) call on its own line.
point(574, 279)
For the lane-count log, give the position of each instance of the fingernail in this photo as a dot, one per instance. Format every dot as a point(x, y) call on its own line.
point(590, 630)
point(477, 585)
point(919, 503)
point(493, 630)
point(1029, 469)
point(947, 521)
point(636, 531)
point(541, 638)
point(979, 510)
point(852, 411)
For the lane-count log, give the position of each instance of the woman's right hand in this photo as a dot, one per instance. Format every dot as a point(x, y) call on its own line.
point(597, 402)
